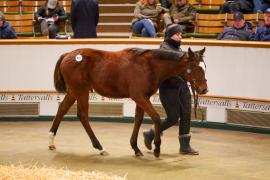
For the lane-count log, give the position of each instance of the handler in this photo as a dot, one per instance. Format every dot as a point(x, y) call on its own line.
point(175, 98)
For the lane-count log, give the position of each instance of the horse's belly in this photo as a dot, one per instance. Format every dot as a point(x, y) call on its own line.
point(112, 93)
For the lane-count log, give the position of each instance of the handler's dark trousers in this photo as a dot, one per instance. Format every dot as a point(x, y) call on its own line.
point(176, 100)
point(177, 104)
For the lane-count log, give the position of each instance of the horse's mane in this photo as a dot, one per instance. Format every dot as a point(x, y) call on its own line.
point(159, 53)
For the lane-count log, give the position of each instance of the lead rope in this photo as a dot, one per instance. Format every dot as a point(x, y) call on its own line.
point(196, 104)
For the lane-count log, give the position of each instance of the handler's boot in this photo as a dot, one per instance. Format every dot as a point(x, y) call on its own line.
point(148, 136)
point(185, 147)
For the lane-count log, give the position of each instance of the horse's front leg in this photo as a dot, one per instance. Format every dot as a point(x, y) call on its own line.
point(83, 115)
point(149, 109)
point(137, 124)
point(62, 110)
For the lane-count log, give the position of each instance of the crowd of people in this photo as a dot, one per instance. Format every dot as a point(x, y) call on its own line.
point(84, 18)
point(181, 12)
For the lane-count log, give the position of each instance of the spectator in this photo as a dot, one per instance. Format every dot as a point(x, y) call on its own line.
point(265, 5)
point(233, 6)
point(145, 18)
point(261, 5)
point(263, 32)
point(175, 98)
point(84, 18)
point(6, 31)
point(49, 16)
point(182, 13)
point(240, 31)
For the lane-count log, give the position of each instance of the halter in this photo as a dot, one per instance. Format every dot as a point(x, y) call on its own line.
point(195, 95)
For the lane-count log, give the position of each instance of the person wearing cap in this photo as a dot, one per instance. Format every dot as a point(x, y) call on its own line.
point(175, 97)
point(49, 16)
point(240, 31)
point(182, 13)
point(6, 31)
point(145, 19)
point(263, 32)
point(84, 18)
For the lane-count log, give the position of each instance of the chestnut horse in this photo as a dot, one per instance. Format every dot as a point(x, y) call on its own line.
point(130, 73)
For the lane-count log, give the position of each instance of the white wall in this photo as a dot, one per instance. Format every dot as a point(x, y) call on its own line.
point(231, 71)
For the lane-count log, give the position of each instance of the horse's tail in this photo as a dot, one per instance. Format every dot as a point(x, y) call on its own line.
point(59, 82)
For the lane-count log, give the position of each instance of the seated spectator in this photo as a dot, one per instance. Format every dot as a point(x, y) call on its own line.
point(49, 16)
point(182, 13)
point(265, 5)
point(240, 31)
point(6, 31)
point(261, 5)
point(263, 32)
point(233, 6)
point(145, 18)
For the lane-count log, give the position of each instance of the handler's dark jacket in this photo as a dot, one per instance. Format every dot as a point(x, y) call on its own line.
point(58, 10)
point(173, 82)
point(234, 34)
point(84, 18)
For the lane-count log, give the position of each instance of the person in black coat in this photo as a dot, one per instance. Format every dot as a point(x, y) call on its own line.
point(6, 31)
point(49, 16)
point(175, 97)
point(84, 18)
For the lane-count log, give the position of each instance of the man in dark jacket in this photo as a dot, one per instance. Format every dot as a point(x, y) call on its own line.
point(6, 31)
point(263, 32)
point(50, 15)
point(84, 18)
point(175, 98)
point(240, 31)
point(182, 13)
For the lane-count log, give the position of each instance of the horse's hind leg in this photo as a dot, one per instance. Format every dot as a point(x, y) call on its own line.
point(137, 124)
point(83, 115)
point(62, 110)
point(146, 105)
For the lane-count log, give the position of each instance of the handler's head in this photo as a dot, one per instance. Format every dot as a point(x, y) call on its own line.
point(174, 31)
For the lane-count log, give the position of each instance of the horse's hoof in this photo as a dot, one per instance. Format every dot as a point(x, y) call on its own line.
point(104, 153)
point(52, 147)
point(138, 154)
point(156, 153)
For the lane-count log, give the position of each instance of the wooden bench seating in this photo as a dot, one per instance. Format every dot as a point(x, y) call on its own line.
point(10, 6)
point(22, 24)
point(207, 6)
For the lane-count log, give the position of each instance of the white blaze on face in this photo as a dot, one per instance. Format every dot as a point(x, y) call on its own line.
point(202, 65)
point(78, 58)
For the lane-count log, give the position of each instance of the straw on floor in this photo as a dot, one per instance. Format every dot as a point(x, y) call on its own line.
point(14, 172)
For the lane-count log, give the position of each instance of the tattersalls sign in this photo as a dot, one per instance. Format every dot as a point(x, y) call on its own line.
point(47, 99)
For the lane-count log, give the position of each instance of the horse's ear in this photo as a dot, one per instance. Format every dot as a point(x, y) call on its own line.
point(190, 53)
point(202, 51)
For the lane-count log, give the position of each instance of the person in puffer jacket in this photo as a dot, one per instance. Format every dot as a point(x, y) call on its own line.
point(240, 31)
point(6, 31)
point(263, 32)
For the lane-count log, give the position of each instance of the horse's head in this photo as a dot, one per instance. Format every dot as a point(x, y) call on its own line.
point(195, 71)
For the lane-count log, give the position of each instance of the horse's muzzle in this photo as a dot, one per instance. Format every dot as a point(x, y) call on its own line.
point(204, 91)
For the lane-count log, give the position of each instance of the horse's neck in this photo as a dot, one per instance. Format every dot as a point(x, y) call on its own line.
point(168, 69)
